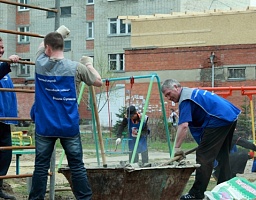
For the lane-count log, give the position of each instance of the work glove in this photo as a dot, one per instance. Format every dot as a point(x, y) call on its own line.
point(64, 31)
point(14, 58)
point(85, 60)
point(250, 154)
point(118, 141)
point(180, 153)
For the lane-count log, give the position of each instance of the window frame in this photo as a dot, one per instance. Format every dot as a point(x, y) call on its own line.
point(90, 29)
point(27, 69)
point(89, 3)
point(24, 37)
point(119, 62)
point(235, 73)
point(50, 14)
point(65, 15)
point(118, 26)
point(67, 42)
point(21, 8)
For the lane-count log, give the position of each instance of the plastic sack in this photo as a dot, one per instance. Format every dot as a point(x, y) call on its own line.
point(234, 189)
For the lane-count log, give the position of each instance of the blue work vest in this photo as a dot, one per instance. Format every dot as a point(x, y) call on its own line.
point(133, 130)
point(212, 104)
point(8, 100)
point(55, 110)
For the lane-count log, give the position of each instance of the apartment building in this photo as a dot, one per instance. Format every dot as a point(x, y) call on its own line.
point(96, 31)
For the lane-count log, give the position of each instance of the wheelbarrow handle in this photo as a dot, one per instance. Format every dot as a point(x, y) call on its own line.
point(178, 157)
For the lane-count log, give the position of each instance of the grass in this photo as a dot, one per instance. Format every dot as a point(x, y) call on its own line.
point(163, 146)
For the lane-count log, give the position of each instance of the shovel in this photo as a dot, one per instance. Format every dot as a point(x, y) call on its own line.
point(178, 157)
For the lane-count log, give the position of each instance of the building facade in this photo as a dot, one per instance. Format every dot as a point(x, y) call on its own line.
point(98, 31)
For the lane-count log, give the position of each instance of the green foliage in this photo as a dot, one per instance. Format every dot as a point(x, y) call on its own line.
point(244, 126)
point(163, 146)
point(120, 115)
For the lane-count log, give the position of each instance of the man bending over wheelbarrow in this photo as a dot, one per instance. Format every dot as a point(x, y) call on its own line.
point(212, 121)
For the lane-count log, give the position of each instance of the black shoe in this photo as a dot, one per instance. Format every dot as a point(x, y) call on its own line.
point(189, 196)
point(6, 196)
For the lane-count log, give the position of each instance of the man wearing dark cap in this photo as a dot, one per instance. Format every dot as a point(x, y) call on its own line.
point(133, 121)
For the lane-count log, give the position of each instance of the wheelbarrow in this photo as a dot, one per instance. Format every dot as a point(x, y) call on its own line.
point(150, 183)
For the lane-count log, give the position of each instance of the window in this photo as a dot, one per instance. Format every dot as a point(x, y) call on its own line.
point(50, 14)
point(67, 45)
point(116, 62)
point(90, 1)
point(236, 73)
point(65, 11)
point(23, 38)
point(90, 31)
point(23, 69)
point(117, 27)
point(22, 8)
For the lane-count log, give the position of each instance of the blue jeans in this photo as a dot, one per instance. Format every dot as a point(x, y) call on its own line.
point(5, 155)
point(74, 153)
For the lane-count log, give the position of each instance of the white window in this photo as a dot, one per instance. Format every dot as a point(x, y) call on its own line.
point(116, 62)
point(236, 73)
point(23, 8)
point(117, 27)
point(90, 1)
point(90, 30)
point(23, 38)
point(24, 69)
point(67, 45)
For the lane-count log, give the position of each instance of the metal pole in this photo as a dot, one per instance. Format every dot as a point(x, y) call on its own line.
point(211, 59)
point(28, 6)
point(94, 128)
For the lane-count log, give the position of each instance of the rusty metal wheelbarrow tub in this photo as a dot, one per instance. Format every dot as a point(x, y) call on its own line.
point(151, 183)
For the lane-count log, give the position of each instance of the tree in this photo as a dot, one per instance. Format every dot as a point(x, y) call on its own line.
point(243, 127)
point(120, 115)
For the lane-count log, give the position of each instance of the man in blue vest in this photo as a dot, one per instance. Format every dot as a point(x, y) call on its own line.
point(8, 108)
point(211, 120)
point(55, 112)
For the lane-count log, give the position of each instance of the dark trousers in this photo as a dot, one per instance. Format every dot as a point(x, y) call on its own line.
point(74, 152)
point(144, 157)
point(215, 144)
point(5, 155)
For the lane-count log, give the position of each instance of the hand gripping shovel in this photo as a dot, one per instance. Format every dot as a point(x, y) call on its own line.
point(178, 157)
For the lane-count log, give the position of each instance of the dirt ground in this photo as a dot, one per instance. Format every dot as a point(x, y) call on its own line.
point(27, 165)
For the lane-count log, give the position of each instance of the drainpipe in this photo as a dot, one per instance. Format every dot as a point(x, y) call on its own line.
point(211, 59)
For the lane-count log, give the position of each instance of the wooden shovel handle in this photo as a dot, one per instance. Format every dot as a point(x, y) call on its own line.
point(178, 157)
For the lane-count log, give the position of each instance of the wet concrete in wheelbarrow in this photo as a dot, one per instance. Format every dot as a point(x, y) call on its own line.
point(135, 183)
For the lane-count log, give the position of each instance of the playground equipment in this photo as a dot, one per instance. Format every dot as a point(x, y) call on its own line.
point(20, 138)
